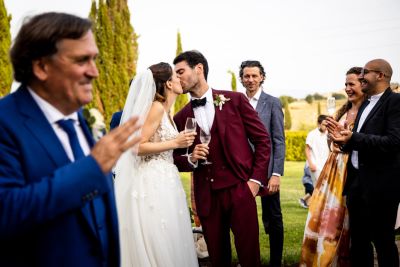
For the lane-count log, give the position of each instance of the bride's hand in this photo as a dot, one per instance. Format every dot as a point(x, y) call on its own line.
point(184, 140)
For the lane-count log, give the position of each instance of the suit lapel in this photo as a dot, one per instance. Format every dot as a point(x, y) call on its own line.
point(220, 118)
point(262, 103)
point(360, 111)
point(85, 129)
point(376, 107)
point(86, 210)
point(38, 125)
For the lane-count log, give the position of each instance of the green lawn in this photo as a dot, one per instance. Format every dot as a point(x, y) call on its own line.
point(294, 216)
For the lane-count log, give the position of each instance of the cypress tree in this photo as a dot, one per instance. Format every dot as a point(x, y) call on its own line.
point(182, 99)
point(233, 81)
point(319, 108)
point(118, 53)
point(288, 117)
point(5, 43)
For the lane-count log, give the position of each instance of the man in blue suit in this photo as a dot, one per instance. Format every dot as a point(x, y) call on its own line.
point(269, 109)
point(57, 203)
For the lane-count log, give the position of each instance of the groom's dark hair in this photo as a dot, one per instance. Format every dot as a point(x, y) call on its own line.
point(193, 57)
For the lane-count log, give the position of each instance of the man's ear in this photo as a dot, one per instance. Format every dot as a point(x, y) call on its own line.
point(39, 69)
point(199, 68)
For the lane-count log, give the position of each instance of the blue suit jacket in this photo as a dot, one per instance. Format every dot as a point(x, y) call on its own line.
point(44, 198)
point(269, 110)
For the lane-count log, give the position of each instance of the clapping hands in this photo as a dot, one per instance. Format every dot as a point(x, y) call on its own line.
point(337, 132)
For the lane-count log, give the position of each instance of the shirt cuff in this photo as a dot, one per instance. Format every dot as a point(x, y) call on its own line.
point(257, 182)
point(194, 165)
point(276, 174)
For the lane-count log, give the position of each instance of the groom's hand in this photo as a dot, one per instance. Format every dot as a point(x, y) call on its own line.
point(200, 151)
point(254, 187)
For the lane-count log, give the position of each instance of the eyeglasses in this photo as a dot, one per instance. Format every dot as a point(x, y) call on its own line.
point(366, 71)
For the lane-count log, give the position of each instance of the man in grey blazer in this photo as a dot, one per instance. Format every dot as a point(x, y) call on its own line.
point(269, 110)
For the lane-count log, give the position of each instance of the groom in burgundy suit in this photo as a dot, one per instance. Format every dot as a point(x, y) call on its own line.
point(224, 190)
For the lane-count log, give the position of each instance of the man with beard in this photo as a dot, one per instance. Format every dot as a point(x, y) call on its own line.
point(269, 109)
point(224, 190)
point(373, 184)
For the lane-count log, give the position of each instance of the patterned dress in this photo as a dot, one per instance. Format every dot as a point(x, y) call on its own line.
point(326, 234)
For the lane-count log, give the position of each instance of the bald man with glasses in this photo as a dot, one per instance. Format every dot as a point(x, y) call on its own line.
point(373, 182)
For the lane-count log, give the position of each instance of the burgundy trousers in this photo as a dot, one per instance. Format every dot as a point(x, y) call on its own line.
point(233, 208)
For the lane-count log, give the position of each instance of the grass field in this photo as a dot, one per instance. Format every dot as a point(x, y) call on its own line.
point(294, 216)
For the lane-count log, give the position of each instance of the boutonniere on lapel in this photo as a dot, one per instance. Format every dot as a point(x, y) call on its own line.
point(95, 121)
point(220, 100)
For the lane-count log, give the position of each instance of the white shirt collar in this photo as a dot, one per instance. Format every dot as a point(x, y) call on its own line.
point(375, 98)
point(51, 113)
point(207, 94)
point(256, 97)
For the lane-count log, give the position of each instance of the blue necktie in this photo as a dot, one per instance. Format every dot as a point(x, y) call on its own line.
point(69, 128)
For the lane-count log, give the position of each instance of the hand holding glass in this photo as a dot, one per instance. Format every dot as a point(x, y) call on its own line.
point(205, 138)
point(331, 105)
point(190, 127)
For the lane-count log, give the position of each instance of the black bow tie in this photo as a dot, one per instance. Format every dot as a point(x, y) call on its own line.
point(198, 102)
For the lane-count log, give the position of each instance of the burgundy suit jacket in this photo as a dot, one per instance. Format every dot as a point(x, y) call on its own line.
point(238, 123)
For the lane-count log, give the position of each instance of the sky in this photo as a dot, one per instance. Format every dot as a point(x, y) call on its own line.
point(305, 46)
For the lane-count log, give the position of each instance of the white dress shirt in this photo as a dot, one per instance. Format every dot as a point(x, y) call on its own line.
point(372, 102)
point(253, 102)
point(204, 115)
point(53, 115)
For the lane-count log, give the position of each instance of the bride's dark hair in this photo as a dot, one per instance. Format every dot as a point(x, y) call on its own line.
point(162, 72)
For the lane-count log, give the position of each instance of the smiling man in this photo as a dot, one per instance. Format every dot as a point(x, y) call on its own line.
point(56, 191)
point(269, 109)
point(373, 184)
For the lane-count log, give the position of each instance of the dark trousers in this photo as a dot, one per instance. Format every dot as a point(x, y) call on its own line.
point(273, 225)
point(235, 209)
point(372, 221)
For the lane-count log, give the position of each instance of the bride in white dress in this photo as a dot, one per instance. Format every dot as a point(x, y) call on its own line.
point(154, 220)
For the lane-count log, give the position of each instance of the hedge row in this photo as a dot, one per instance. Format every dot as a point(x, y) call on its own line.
point(295, 145)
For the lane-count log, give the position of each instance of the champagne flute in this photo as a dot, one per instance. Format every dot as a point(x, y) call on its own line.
point(205, 138)
point(331, 105)
point(190, 127)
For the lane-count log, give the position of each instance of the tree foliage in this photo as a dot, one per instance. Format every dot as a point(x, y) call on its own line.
point(118, 53)
point(317, 96)
point(5, 43)
point(319, 108)
point(338, 96)
point(288, 117)
point(182, 99)
point(309, 99)
point(287, 98)
point(233, 81)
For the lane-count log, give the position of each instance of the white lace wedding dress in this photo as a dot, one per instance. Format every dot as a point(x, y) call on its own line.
point(155, 228)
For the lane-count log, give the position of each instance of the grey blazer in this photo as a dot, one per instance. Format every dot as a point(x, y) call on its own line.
point(269, 110)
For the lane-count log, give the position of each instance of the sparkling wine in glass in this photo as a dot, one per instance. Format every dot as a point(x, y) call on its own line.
point(190, 127)
point(205, 138)
point(331, 105)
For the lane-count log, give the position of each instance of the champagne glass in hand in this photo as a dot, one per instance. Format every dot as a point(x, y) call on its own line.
point(330, 105)
point(190, 127)
point(205, 138)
